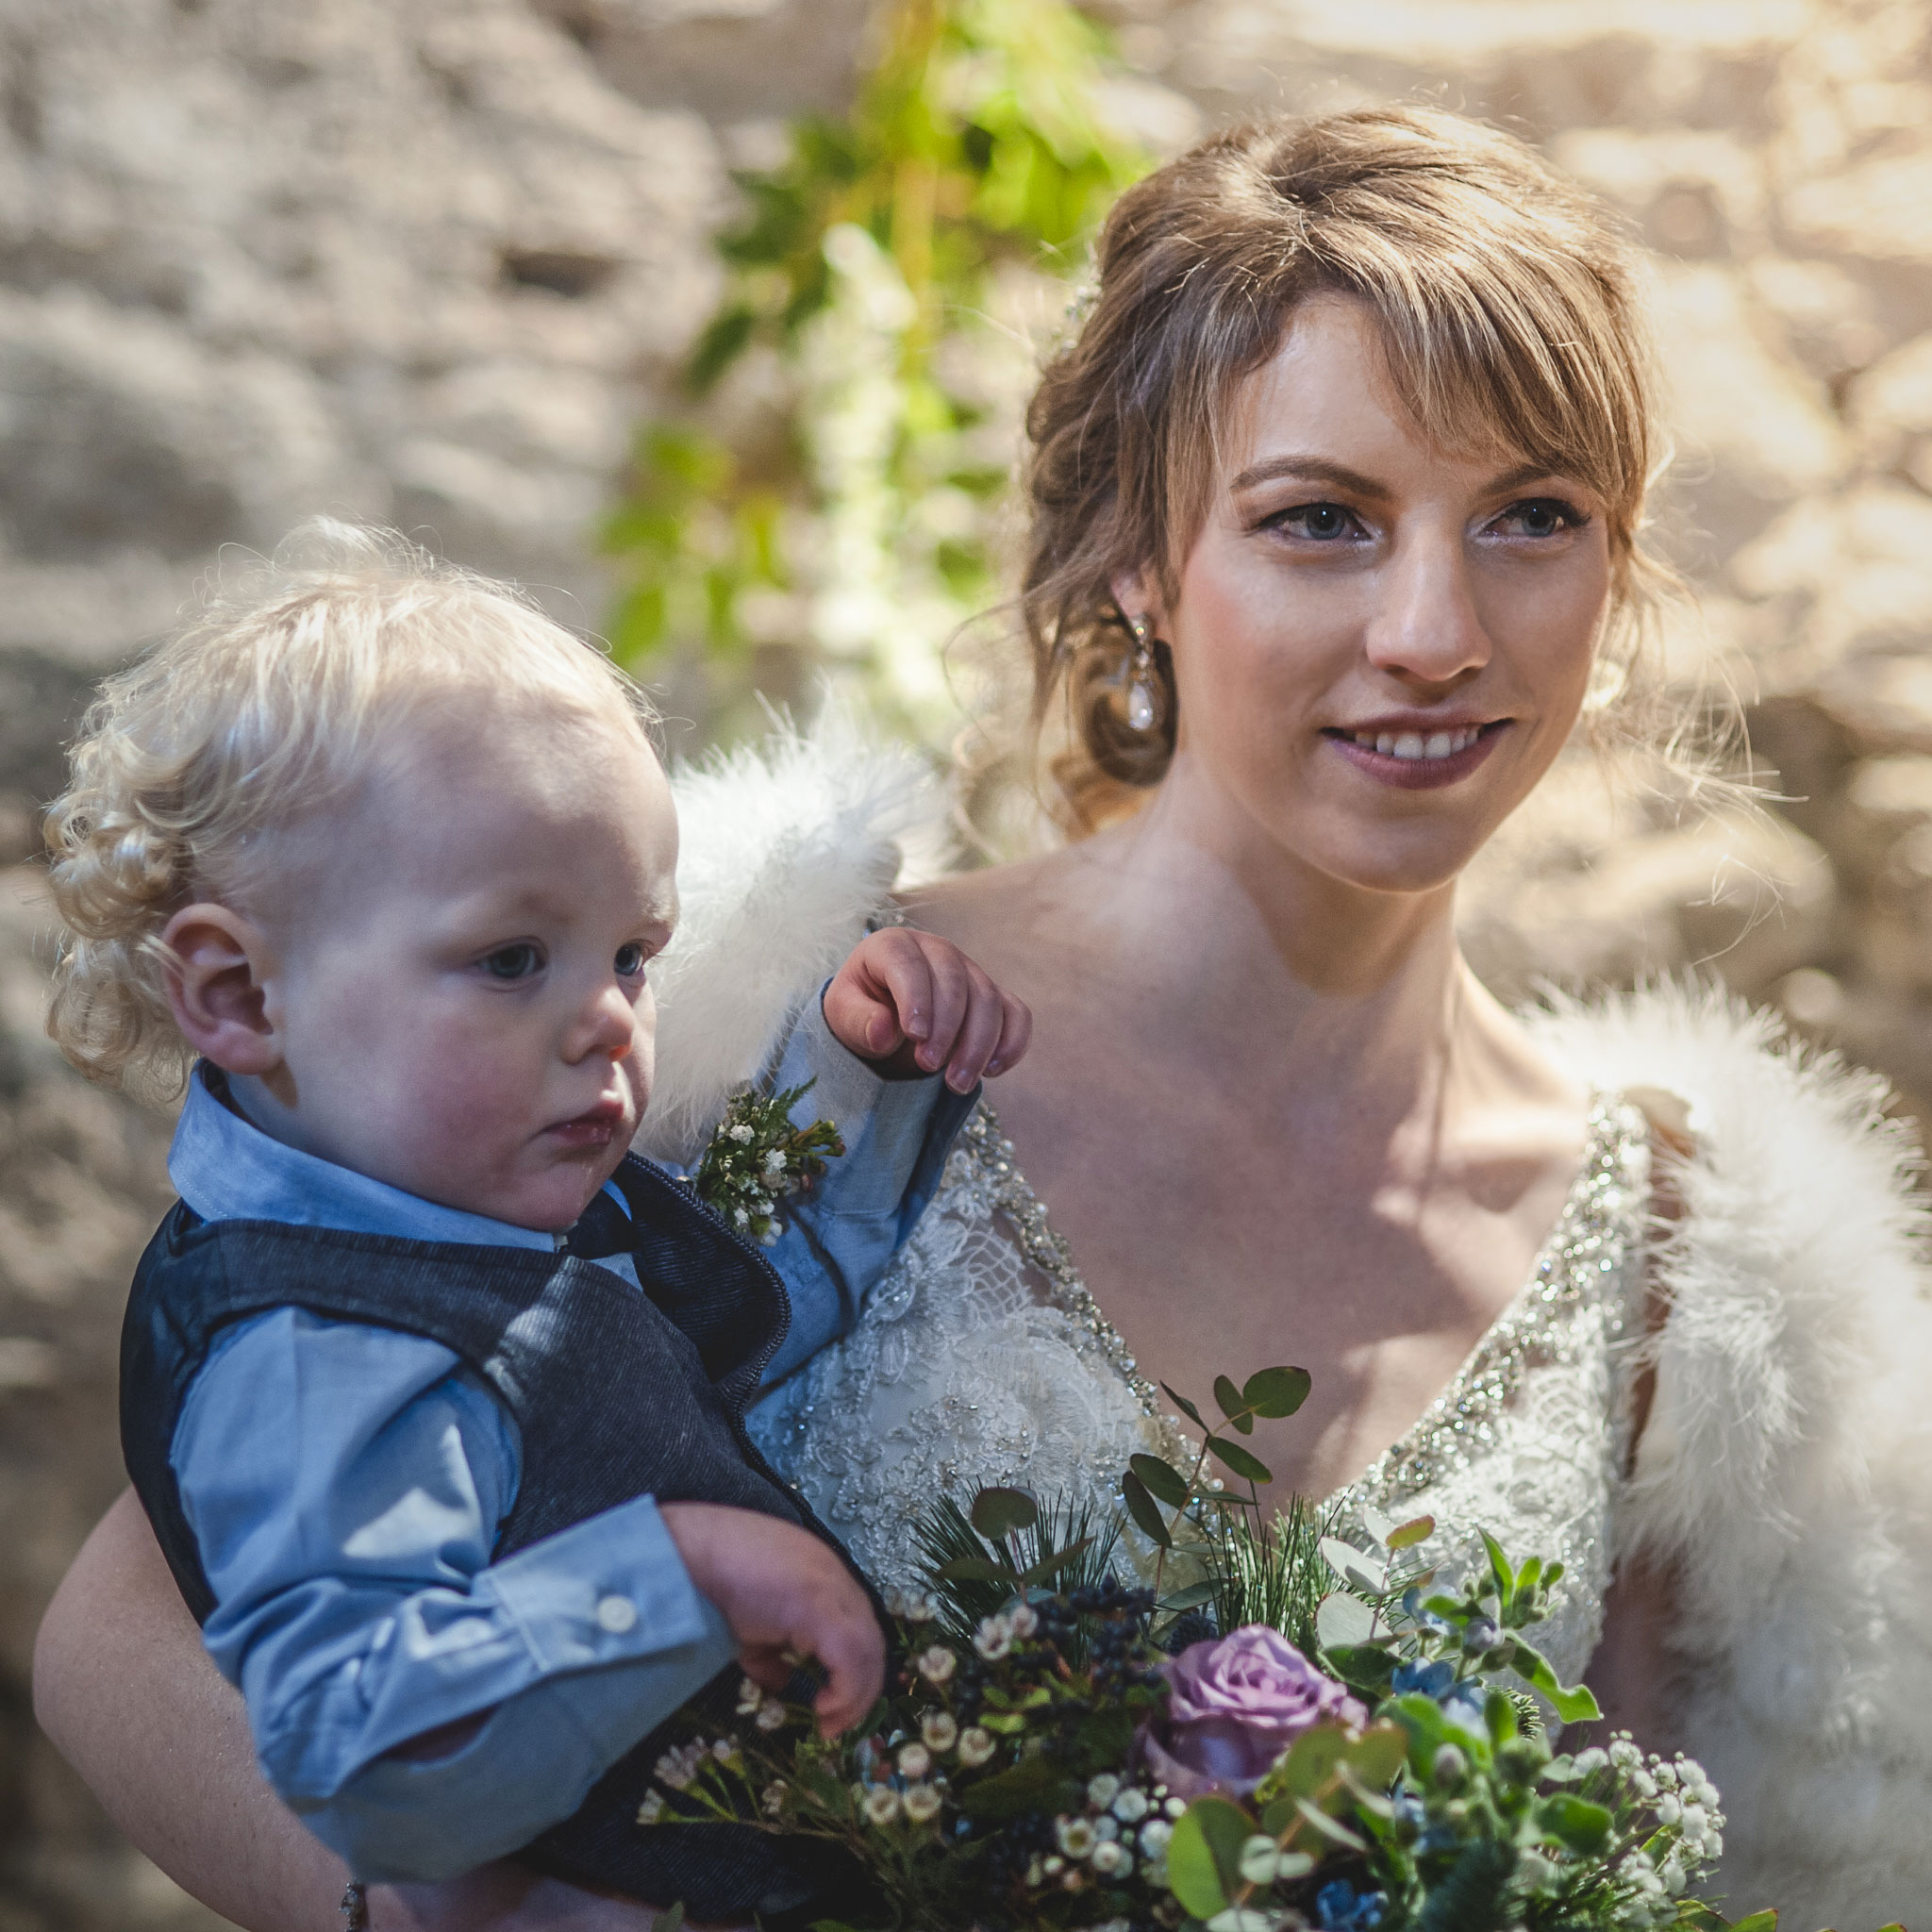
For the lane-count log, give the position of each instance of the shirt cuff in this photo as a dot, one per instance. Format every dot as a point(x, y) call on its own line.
point(533, 1763)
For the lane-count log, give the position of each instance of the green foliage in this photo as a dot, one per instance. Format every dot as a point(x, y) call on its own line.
point(848, 515)
point(755, 1157)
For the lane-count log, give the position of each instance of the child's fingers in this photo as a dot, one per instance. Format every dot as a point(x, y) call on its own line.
point(851, 1652)
point(766, 1665)
point(1016, 1033)
point(952, 992)
point(979, 1033)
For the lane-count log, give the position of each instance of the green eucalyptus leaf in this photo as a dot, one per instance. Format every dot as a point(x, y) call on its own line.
point(1365, 1667)
point(1350, 1565)
point(1575, 1822)
point(1331, 1828)
point(1767, 1921)
point(1146, 1510)
point(1417, 1530)
point(1380, 1527)
point(1379, 1754)
point(1249, 1467)
point(1310, 1762)
point(1276, 1393)
point(1162, 1478)
point(1181, 1403)
point(1191, 1598)
point(1342, 1619)
point(1002, 1512)
point(975, 1569)
point(1203, 1854)
point(1229, 1398)
point(1575, 1706)
point(1051, 1564)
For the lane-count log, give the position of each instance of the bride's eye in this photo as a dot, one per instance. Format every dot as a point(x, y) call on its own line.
point(1324, 522)
point(1539, 516)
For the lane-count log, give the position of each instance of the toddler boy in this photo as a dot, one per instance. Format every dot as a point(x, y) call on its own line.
point(433, 1393)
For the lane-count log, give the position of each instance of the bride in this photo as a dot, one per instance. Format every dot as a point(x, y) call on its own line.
point(1335, 510)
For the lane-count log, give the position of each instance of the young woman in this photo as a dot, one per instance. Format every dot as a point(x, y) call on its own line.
point(1337, 499)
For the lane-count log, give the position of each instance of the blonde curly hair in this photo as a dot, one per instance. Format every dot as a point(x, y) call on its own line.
point(264, 709)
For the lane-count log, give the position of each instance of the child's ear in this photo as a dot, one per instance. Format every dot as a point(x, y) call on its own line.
point(217, 970)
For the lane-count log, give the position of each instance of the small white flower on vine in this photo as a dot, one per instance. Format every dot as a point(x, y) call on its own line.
point(1112, 1860)
point(725, 1750)
point(936, 1664)
point(939, 1730)
point(1131, 1805)
point(774, 1160)
point(773, 1799)
point(1022, 1619)
point(1102, 1790)
point(750, 1696)
point(652, 1808)
point(921, 1802)
point(1076, 1835)
point(881, 1804)
point(975, 1746)
point(995, 1639)
point(741, 1133)
point(915, 1761)
point(919, 1608)
point(1154, 1836)
point(740, 1218)
point(770, 1716)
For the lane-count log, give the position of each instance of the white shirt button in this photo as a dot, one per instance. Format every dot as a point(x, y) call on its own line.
point(616, 1614)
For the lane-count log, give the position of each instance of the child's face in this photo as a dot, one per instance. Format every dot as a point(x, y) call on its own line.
point(457, 1000)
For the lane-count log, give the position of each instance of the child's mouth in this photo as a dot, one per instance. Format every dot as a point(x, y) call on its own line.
point(596, 1127)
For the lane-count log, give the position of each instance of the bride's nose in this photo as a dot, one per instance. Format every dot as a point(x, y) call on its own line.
point(1425, 627)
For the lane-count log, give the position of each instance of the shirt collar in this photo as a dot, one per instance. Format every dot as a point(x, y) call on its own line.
point(227, 1169)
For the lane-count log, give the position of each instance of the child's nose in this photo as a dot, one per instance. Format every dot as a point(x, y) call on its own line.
point(613, 1025)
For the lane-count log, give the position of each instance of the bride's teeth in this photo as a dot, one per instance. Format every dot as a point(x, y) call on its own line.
point(1385, 744)
point(1440, 746)
point(1409, 745)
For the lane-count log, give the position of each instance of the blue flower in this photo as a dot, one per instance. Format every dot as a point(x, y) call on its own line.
point(1339, 1907)
point(1432, 1680)
point(1463, 1703)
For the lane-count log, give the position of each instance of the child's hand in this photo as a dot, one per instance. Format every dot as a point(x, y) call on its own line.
point(785, 1595)
point(916, 1002)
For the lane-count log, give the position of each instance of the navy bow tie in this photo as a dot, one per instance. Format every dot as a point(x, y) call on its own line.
point(603, 1228)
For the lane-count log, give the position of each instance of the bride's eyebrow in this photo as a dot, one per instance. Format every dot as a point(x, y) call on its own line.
point(1309, 470)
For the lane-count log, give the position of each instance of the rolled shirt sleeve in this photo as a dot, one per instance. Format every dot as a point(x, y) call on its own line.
point(346, 1486)
point(840, 1237)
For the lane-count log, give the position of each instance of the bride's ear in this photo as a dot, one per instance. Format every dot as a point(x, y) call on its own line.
point(1137, 594)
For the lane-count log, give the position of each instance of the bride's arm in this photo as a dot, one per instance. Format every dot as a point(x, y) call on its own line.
point(125, 1689)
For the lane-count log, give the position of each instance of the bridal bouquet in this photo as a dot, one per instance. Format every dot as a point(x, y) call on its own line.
point(1306, 1734)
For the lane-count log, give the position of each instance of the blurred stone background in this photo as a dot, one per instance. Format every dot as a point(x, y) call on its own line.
point(430, 260)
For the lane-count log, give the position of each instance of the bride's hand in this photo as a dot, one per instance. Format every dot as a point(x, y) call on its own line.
point(913, 1003)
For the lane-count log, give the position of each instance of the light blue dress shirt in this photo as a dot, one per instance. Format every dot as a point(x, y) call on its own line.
point(346, 1485)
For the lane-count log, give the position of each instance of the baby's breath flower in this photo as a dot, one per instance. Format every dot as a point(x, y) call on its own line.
point(652, 1808)
point(725, 1749)
point(915, 1761)
point(1131, 1805)
point(741, 1133)
point(921, 1802)
point(975, 1746)
point(1102, 1790)
point(939, 1730)
point(1155, 1837)
point(1590, 1761)
point(1668, 1810)
point(936, 1664)
point(771, 1715)
point(773, 1798)
point(919, 1608)
point(1625, 1754)
point(1112, 1860)
point(881, 1804)
point(750, 1696)
point(1076, 1835)
point(994, 1638)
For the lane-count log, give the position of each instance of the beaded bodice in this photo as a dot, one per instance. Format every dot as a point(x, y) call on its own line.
point(981, 1358)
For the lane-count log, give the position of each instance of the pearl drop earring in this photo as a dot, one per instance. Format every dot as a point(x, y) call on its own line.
point(1142, 680)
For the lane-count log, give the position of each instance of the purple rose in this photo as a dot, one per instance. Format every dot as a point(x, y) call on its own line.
point(1234, 1705)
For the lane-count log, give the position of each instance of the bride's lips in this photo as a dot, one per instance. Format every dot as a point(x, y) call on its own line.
point(596, 1127)
point(1419, 756)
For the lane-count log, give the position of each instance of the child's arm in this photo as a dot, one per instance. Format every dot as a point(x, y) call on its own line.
point(346, 1486)
point(895, 1047)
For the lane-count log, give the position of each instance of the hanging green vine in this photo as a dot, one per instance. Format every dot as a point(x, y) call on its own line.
point(849, 410)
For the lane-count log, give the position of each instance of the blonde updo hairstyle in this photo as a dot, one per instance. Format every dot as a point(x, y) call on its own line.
point(266, 708)
point(1507, 303)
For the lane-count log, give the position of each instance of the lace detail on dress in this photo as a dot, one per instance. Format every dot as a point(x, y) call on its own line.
point(982, 1358)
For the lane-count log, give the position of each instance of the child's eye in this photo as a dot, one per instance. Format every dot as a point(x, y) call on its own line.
point(516, 961)
point(630, 961)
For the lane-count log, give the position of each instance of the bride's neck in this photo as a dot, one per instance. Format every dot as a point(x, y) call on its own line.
point(1221, 943)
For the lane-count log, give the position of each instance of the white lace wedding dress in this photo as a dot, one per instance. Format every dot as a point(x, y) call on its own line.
point(982, 1358)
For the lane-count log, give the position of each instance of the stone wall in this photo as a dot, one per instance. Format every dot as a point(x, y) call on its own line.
point(429, 259)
